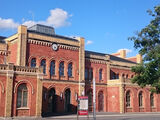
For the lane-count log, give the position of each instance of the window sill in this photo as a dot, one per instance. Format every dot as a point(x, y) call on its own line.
point(70, 77)
point(153, 107)
point(129, 107)
point(22, 108)
point(53, 75)
point(62, 76)
point(141, 107)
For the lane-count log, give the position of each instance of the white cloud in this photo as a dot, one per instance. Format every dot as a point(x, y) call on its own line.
point(127, 50)
point(89, 42)
point(8, 24)
point(58, 18)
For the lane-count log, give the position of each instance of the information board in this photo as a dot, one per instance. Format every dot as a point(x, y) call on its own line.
point(83, 105)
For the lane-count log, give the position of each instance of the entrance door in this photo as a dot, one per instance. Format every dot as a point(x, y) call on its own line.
point(52, 100)
point(67, 100)
point(100, 101)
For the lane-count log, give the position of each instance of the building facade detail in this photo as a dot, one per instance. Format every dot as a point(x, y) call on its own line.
point(43, 73)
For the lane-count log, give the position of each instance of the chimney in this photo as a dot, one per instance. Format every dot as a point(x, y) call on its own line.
point(122, 53)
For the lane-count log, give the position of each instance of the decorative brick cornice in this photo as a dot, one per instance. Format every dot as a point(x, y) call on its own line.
point(105, 57)
point(120, 67)
point(96, 61)
point(19, 69)
point(26, 69)
point(68, 47)
point(49, 44)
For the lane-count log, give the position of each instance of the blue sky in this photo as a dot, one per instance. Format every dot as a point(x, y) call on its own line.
point(105, 24)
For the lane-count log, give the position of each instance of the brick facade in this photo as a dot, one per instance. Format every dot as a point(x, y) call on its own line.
point(57, 92)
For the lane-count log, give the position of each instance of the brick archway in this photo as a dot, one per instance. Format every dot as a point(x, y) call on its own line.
point(100, 101)
point(67, 100)
point(52, 100)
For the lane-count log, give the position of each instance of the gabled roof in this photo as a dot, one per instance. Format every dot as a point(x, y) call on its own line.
point(112, 57)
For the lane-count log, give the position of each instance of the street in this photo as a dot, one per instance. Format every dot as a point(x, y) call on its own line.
point(99, 116)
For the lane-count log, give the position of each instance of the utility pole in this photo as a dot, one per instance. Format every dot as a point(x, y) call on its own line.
point(94, 99)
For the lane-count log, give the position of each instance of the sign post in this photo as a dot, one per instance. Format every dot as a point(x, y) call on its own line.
point(82, 106)
point(94, 99)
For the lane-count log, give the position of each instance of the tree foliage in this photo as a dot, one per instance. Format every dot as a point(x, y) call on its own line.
point(147, 41)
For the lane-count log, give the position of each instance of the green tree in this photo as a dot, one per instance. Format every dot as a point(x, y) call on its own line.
point(147, 41)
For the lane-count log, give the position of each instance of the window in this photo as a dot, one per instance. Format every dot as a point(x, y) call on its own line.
point(152, 100)
point(127, 76)
point(100, 74)
point(90, 74)
point(128, 99)
point(52, 68)
point(117, 76)
point(86, 73)
point(70, 70)
point(131, 76)
point(61, 69)
point(113, 75)
point(43, 64)
point(33, 62)
point(22, 96)
point(90, 98)
point(123, 75)
point(140, 97)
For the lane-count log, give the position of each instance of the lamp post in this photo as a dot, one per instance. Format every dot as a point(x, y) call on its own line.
point(94, 99)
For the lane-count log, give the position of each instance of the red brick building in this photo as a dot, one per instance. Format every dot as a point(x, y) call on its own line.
point(42, 72)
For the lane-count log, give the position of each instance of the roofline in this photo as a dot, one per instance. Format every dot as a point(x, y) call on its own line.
point(57, 36)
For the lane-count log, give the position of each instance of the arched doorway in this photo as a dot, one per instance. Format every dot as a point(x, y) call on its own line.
point(90, 99)
point(52, 100)
point(100, 101)
point(67, 100)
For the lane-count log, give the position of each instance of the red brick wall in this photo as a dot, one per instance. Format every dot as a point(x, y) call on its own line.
point(40, 52)
point(96, 67)
point(30, 82)
point(123, 71)
point(1, 59)
point(113, 99)
point(59, 88)
point(13, 55)
point(146, 100)
point(2, 95)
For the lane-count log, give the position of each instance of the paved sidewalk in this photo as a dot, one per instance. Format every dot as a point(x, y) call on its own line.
point(74, 116)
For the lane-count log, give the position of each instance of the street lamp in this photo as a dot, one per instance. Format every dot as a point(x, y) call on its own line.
point(94, 99)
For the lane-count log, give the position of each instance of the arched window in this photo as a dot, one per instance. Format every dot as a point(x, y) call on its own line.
point(117, 76)
point(123, 75)
point(70, 70)
point(52, 68)
point(100, 74)
point(131, 76)
point(91, 74)
point(128, 99)
point(61, 69)
point(43, 64)
point(140, 97)
point(90, 98)
point(22, 96)
point(114, 75)
point(33, 62)
point(86, 74)
point(127, 76)
point(152, 100)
